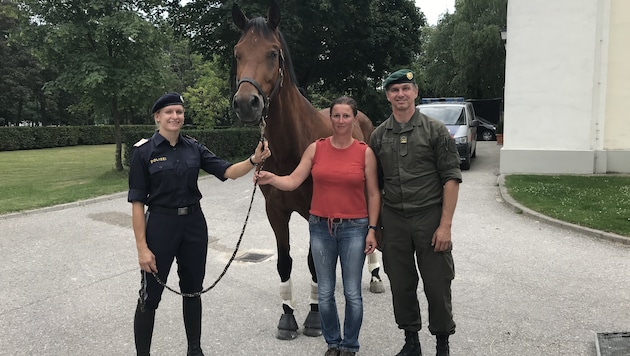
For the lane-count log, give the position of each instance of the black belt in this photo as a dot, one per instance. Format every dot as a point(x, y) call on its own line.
point(185, 210)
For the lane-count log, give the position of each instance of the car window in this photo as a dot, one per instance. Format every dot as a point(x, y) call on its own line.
point(449, 115)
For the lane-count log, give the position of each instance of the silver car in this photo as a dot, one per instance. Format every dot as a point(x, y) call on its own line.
point(459, 117)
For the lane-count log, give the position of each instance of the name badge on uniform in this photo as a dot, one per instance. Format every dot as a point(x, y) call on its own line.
point(403, 139)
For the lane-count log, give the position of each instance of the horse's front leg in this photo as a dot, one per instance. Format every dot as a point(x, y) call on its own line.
point(279, 220)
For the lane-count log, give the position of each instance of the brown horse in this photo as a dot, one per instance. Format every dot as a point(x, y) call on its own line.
point(266, 90)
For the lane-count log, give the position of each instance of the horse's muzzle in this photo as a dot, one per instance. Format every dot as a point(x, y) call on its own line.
point(248, 107)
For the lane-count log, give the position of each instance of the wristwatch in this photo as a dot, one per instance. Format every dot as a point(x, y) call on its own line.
point(372, 227)
point(252, 161)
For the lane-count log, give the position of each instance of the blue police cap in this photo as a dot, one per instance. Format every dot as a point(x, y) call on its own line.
point(166, 100)
point(400, 76)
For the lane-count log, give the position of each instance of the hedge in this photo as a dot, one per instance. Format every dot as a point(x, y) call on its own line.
point(230, 144)
point(14, 138)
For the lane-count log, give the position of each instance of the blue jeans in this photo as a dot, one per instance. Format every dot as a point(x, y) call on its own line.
point(346, 240)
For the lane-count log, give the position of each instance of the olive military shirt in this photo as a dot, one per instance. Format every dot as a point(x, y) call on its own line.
point(414, 162)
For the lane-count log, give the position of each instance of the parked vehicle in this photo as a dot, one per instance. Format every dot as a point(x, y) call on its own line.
point(487, 131)
point(459, 117)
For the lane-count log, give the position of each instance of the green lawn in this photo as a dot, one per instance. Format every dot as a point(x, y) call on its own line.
point(600, 202)
point(37, 178)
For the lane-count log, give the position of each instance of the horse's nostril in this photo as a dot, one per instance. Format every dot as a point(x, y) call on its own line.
point(254, 101)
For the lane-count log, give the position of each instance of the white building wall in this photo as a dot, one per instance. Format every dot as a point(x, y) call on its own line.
point(617, 128)
point(556, 89)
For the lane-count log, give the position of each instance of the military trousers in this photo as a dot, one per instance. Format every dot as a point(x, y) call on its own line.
point(406, 250)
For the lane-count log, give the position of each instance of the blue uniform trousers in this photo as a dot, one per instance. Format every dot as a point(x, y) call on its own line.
point(180, 237)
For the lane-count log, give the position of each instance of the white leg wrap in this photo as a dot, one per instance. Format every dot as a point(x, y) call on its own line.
point(373, 262)
point(313, 298)
point(286, 293)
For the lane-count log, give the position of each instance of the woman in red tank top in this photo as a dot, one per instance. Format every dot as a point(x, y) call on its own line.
point(342, 223)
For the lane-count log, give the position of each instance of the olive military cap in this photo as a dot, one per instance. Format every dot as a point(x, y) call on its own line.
point(399, 76)
point(166, 100)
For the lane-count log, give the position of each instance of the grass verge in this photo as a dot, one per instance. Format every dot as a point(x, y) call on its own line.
point(33, 179)
point(38, 178)
point(598, 202)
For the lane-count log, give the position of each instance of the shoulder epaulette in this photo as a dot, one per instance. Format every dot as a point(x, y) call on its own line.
point(141, 142)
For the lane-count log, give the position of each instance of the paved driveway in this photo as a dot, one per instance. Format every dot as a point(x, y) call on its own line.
point(69, 281)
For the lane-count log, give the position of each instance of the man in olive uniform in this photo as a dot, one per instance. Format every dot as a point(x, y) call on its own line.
point(420, 175)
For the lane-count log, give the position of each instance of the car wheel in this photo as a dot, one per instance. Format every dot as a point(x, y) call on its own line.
point(465, 164)
point(487, 135)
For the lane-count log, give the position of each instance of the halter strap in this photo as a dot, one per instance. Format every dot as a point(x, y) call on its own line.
point(274, 91)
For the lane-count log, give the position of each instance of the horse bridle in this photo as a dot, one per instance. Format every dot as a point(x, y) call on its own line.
point(274, 91)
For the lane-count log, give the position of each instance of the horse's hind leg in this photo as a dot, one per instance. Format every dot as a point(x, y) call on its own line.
point(376, 284)
point(312, 324)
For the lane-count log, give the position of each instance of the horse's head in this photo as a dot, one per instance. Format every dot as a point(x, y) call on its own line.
point(259, 64)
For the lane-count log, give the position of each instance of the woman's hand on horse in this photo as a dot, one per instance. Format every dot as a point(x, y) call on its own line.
point(263, 177)
point(262, 152)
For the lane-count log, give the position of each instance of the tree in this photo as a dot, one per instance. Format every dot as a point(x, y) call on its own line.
point(107, 52)
point(336, 47)
point(464, 55)
point(20, 71)
point(208, 99)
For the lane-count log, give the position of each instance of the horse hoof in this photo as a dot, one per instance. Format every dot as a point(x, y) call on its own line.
point(312, 324)
point(377, 286)
point(286, 334)
point(287, 327)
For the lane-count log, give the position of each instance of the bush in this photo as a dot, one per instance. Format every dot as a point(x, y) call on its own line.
point(229, 144)
point(34, 137)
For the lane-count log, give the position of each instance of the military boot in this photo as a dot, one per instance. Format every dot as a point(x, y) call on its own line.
point(192, 324)
point(143, 322)
point(412, 345)
point(441, 347)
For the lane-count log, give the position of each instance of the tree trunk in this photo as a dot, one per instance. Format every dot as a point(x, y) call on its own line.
point(117, 134)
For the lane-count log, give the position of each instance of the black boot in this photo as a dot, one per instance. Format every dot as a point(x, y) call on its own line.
point(143, 329)
point(192, 323)
point(441, 347)
point(412, 345)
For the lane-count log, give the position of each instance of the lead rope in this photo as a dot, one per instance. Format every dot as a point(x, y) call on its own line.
point(238, 244)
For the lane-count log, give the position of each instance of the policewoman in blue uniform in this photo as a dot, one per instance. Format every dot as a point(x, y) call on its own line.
point(163, 176)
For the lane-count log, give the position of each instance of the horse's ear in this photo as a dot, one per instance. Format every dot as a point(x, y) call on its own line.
point(239, 18)
point(273, 15)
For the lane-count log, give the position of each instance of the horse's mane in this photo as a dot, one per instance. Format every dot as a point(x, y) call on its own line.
point(260, 25)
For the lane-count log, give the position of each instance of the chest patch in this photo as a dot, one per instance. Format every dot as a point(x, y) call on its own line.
point(157, 159)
